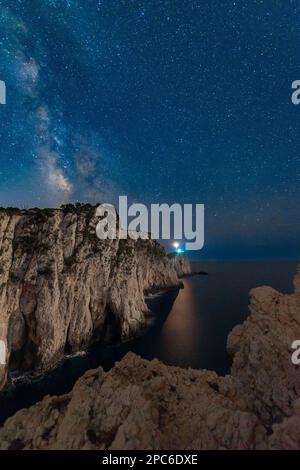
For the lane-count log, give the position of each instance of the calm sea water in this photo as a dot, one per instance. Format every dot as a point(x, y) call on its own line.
point(190, 329)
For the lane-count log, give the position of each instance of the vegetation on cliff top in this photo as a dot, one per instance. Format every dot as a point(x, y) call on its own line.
point(48, 211)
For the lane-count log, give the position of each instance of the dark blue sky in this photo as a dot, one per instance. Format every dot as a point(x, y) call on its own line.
point(162, 100)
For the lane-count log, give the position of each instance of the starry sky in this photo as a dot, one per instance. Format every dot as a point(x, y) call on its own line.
point(183, 101)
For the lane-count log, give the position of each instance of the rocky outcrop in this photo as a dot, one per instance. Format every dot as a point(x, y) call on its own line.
point(147, 405)
point(137, 405)
point(61, 287)
point(180, 264)
point(261, 350)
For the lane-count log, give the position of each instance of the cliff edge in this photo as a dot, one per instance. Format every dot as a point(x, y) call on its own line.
point(61, 287)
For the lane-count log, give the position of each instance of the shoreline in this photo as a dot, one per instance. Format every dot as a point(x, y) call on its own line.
point(233, 410)
point(109, 354)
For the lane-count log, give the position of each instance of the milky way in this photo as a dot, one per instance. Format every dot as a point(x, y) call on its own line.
point(164, 101)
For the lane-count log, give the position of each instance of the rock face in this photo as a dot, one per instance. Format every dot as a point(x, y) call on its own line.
point(261, 350)
point(61, 287)
point(180, 264)
point(147, 405)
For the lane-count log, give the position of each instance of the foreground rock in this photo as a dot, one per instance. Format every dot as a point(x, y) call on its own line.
point(137, 405)
point(147, 405)
point(261, 350)
point(61, 287)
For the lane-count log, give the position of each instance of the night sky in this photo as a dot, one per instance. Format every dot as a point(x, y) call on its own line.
point(162, 100)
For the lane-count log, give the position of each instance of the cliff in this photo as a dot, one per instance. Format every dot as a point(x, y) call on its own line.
point(148, 405)
point(61, 287)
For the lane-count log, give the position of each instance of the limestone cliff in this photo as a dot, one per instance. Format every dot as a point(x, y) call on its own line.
point(147, 405)
point(61, 287)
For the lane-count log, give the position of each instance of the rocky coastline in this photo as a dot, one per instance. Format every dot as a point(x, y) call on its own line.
point(147, 405)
